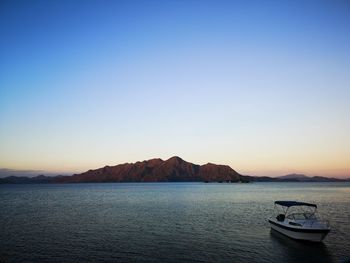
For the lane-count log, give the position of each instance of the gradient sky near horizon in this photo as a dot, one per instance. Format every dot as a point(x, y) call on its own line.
point(263, 86)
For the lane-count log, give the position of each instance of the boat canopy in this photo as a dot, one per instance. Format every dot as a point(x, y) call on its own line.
point(294, 203)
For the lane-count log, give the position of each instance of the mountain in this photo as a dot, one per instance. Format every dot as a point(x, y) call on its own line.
point(304, 178)
point(40, 179)
point(293, 176)
point(156, 170)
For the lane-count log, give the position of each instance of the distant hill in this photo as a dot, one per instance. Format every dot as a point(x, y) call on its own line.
point(40, 179)
point(293, 176)
point(156, 170)
point(304, 178)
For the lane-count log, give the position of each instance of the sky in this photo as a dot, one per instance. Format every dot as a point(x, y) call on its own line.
point(262, 86)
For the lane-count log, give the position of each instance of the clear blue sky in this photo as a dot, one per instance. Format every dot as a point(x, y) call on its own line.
point(263, 86)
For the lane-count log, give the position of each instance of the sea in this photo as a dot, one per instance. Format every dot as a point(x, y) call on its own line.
point(165, 222)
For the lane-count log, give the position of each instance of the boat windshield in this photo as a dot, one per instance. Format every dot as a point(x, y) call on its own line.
point(301, 216)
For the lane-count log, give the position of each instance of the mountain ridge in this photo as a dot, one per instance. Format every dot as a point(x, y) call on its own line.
point(293, 176)
point(173, 169)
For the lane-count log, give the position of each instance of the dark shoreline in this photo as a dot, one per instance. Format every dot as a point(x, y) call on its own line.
point(51, 180)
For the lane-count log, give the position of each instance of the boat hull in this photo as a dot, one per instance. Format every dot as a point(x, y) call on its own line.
point(314, 235)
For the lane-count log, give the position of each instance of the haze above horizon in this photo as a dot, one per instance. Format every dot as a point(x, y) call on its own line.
point(262, 86)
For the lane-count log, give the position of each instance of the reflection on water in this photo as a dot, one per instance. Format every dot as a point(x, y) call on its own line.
point(296, 250)
point(165, 222)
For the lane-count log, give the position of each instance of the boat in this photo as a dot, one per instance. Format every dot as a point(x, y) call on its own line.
point(299, 220)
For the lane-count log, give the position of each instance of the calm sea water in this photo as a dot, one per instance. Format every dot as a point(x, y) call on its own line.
point(165, 222)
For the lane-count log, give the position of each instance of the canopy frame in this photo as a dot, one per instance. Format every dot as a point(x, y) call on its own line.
point(294, 203)
point(285, 205)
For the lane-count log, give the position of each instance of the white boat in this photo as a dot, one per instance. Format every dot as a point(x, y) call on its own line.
point(298, 220)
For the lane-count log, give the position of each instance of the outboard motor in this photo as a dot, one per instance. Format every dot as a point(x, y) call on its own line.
point(280, 217)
